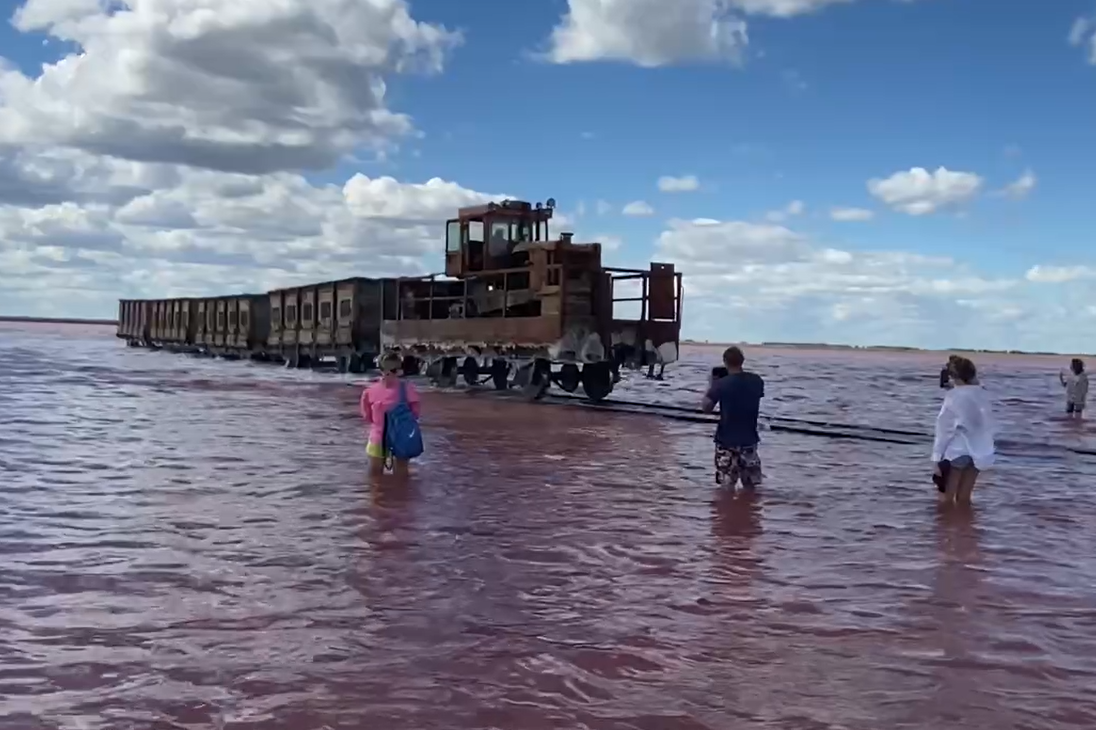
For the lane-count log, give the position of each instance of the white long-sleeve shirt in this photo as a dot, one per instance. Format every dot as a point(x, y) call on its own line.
point(966, 427)
point(1076, 388)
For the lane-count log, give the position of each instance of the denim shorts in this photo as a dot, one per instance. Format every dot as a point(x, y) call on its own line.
point(960, 462)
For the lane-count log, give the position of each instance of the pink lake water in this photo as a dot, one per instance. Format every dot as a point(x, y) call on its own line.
point(190, 543)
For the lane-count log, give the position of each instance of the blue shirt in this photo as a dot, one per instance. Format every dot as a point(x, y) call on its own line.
point(739, 397)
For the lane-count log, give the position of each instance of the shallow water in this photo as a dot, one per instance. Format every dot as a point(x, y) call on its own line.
point(192, 544)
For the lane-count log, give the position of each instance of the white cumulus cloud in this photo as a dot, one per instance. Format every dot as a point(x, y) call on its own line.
point(847, 215)
point(919, 192)
point(793, 209)
point(684, 184)
point(1021, 187)
point(234, 85)
point(742, 277)
point(1049, 274)
point(653, 33)
point(1083, 35)
point(638, 208)
point(648, 32)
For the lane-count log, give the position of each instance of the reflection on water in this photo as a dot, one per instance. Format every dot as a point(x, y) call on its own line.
point(193, 544)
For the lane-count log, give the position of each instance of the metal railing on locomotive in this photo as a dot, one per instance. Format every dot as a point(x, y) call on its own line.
point(663, 325)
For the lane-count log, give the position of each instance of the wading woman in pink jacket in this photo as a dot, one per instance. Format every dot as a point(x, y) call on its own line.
point(377, 398)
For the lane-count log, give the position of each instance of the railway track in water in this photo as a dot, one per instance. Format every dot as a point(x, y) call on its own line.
point(804, 426)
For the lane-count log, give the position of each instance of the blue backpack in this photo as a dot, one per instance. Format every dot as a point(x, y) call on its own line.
point(402, 437)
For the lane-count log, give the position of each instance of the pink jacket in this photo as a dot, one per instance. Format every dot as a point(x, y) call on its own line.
point(377, 398)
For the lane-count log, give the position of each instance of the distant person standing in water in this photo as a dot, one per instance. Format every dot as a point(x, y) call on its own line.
point(964, 443)
point(738, 394)
point(1076, 385)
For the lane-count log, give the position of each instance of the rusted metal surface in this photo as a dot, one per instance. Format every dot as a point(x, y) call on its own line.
point(662, 292)
point(324, 315)
point(486, 333)
point(274, 332)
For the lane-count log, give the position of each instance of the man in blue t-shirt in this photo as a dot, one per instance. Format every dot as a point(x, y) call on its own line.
point(738, 395)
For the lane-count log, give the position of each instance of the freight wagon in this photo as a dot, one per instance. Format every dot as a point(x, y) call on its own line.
point(337, 321)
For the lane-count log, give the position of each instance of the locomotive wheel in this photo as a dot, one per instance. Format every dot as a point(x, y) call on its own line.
point(448, 372)
point(539, 380)
point(500, 373)
point(433, 372)
point(524, 376)
point(569, 377)
point(597, 381)
point(470, 371)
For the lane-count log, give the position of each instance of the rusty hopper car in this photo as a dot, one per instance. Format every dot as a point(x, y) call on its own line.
point(513, 299)
point(334, 320)
point(135, 321)
point(239, 326)
point(193, 324)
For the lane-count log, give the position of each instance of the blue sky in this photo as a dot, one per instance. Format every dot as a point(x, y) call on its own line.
point(825, 97)
point(888, 86)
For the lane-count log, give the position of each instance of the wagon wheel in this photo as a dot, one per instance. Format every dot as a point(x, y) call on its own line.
point(569, 377)
point(410, 365)
point(539, 380)
point(500, 373)
point(448, 372)
point(597, 381)
point(469, 370)
point(433, 371)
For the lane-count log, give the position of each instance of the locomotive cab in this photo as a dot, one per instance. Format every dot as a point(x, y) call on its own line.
point(495, 236)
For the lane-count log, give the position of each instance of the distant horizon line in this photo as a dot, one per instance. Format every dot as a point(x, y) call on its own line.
point(686, 341)
point(56, 320)
point(880, 348)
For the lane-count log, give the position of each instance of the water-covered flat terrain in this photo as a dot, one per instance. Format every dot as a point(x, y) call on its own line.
point(190, 543)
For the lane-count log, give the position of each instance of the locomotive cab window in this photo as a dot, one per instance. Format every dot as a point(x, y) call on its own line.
point(475, 231)
point(291, 315)
point(499, 244)
point(232, 318)
point(452, 236)
point(220, 319)
point(345, 309)
point(306, 313)
point(276, 316)
point(325, 311)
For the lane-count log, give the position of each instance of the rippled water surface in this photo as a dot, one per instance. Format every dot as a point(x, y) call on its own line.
point(189, 543)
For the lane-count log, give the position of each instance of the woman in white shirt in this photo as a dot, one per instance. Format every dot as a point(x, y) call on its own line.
point(965, 429)
point(1076, 385)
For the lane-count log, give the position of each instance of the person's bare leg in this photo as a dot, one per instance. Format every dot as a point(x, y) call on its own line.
point(400, 468)
point(951, 487)
point(376, 466)
point(967, 478)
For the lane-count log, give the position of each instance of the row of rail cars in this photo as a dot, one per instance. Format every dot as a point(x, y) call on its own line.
point(515, 307)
